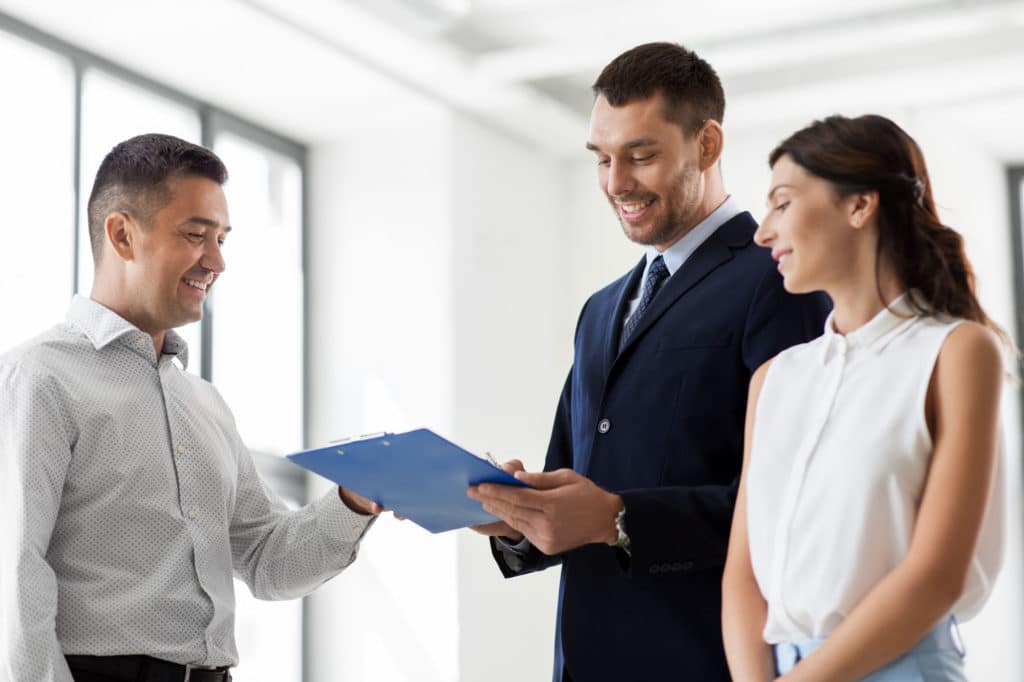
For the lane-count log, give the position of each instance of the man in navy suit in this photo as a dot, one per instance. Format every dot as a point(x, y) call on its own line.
point(637, 493)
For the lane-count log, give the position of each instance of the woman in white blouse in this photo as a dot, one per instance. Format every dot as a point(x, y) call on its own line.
point(869, 515)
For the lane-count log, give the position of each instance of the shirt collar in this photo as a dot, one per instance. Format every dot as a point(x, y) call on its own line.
point(875, 334)
point(675, 255)
point(102, 326)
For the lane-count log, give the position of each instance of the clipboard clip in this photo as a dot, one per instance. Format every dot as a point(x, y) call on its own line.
point(365, 436)
point(353, 439)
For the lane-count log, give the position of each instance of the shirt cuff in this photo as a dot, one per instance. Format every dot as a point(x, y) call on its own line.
point(337, 522)
point(521, 548)
point(514, 553)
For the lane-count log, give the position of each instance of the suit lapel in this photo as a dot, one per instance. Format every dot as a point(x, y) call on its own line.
point(614, 330)
point(715, 251)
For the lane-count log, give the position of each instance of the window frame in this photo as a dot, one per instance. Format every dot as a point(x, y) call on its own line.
point(290, 481)
point(1015, 184)
point(213, 120)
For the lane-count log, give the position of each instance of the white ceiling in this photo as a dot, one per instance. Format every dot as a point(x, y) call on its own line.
point(317, 69)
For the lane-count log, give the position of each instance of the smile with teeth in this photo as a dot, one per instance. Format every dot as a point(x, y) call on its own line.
point(196, 284)
point(780, 256)
point(634, 206)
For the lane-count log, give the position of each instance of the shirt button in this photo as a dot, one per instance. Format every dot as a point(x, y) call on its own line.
point(604, 426)
point(180, 449)
point(191, 516)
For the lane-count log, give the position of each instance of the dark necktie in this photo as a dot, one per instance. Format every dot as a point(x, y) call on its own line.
point(656, 276)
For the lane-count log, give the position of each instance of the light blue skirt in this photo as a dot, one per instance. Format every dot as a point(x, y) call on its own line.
point(938, 657)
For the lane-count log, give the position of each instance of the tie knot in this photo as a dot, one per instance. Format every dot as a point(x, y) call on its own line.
point(657, 272)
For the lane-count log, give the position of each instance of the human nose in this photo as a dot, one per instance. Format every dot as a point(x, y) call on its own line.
point(765, 234)
point(619, 180)
point(213, 258)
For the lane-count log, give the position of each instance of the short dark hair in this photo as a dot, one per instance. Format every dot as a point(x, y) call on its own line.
point(133, 178)
point(693, 93)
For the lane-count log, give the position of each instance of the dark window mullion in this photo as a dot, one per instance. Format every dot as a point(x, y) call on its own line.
point(77, 177)
point(208, 134)
point(1015, 178)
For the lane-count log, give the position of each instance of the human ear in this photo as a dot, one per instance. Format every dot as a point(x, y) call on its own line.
point(862, 208)
point(711, 139)
point(120, 232)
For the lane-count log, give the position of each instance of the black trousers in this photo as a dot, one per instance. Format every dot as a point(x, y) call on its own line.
point(136, 669)
point(80, 675)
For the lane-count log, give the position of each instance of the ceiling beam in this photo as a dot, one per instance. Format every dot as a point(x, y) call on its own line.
point(779, 47)
point(430, 69)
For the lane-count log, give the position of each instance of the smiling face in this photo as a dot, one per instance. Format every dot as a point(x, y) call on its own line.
point(814, 235)
point(649, 170)
point(170, 263)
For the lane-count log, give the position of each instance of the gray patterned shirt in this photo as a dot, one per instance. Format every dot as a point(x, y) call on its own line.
point(129, 500)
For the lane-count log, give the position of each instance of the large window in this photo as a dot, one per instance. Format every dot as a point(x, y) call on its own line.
point(65, 110)
point(258, 302)
point(36, 189)
point(112, 111)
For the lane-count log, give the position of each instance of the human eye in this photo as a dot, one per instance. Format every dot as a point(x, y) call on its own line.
point(603, 161)
point(642, 158)
point(781, 206)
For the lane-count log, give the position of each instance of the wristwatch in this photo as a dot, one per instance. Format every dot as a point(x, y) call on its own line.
point(622, 542)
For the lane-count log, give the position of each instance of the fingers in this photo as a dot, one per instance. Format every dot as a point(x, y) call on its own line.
point(507, 494)
point(512, 466)
point(520, 520)
point(358, 503)
point(498, 529)
point(546, 480)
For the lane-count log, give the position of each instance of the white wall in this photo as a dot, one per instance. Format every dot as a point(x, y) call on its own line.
point(437, 300)
point(513, 348)
point(381, 325)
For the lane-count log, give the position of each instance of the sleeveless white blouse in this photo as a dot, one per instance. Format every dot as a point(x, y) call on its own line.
point(838, 463)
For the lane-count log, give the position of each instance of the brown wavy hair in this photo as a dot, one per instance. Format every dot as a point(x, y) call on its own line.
point(873, 153)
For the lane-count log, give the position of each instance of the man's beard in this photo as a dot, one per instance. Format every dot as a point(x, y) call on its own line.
point(679, 208)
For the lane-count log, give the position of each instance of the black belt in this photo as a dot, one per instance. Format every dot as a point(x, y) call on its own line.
point(145, 669)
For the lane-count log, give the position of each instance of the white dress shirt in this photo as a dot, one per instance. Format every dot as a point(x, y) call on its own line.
point(838, 464)
point(129, 500)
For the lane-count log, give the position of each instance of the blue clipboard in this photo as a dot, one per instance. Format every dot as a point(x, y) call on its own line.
point(417, 474)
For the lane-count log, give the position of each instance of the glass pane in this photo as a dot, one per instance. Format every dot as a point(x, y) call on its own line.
point(36, 189)
point(113, 111)
point(268, 633)
point(257, 302)
point(269, 637)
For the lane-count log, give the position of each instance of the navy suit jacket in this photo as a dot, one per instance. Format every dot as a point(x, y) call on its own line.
point(661, 424)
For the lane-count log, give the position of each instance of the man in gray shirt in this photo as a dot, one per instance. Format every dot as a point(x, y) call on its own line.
point(129, 497)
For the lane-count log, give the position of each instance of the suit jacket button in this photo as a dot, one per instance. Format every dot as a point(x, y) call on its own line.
point(604, 426)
